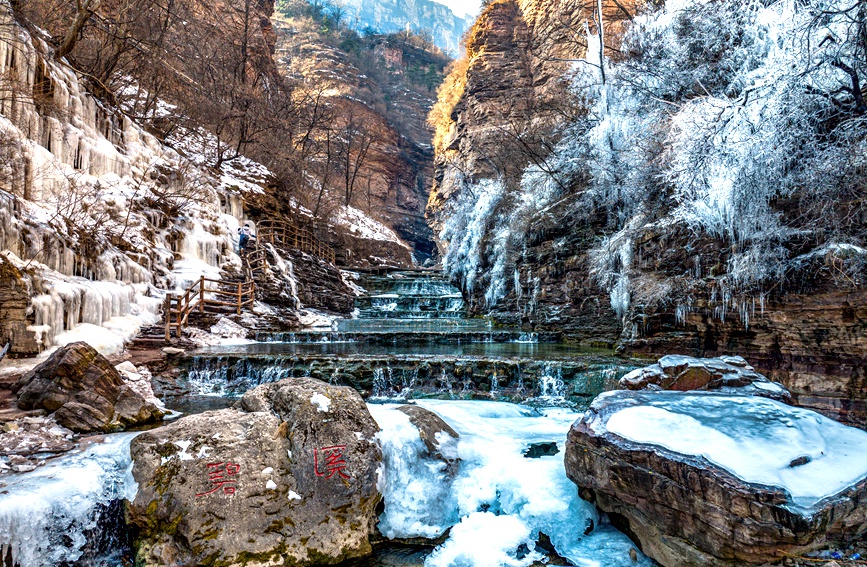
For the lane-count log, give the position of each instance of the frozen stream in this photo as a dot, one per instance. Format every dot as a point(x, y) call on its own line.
point(499, 501)
point(496, 504)
point(489, 511)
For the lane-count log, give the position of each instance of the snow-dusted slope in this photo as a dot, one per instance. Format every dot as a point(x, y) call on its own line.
point(388, 16)
point(98, 216)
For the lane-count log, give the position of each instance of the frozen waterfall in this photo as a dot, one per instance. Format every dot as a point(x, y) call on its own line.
point(499, 501)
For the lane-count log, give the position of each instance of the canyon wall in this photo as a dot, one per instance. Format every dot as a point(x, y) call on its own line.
point(628, 201)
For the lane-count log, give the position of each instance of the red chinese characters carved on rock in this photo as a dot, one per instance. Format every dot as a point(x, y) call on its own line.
point(222, 475)
point(328, 461)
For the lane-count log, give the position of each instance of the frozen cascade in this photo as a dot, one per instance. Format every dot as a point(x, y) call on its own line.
point(286, 268)
point(108, 313)
point(551, 385)
point(105, 163)
point(499, 500)
point(48, 515)
point(200, 253)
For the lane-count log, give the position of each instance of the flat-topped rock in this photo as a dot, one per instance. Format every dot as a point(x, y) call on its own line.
point(718, 479)
point(730, 374)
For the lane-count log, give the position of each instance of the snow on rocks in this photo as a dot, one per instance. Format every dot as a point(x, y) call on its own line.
point(684, 373)
point(720, 478)
point(27, 442)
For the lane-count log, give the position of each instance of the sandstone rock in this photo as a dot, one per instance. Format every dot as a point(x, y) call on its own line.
point(288, 476)
point(709, 479)
point(85, 391)
point(685, 373)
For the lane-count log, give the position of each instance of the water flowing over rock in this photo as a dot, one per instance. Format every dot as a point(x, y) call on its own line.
point(85, 392)
point(719, 479)
point(289, 474)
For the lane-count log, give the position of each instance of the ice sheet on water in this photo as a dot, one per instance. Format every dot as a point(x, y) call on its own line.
point(496, 490)
point(45, 514)
point(754, 438)
point(501, 535)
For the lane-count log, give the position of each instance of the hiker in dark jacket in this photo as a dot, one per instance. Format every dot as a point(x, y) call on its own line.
point(243, 239)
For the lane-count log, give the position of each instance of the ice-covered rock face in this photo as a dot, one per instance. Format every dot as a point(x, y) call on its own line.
point(94, 210)
point(48, 516)
point(498, 502)
point(777, 477)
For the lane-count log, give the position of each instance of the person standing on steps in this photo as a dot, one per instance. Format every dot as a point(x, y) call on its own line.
point(243, 239)
point(251, 241)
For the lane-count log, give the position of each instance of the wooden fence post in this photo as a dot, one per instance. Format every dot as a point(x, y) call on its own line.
point(239, 298)
point(202, 294)
point(167, 313)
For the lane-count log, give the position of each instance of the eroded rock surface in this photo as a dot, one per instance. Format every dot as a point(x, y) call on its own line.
point(685, 373)
point(84, 391)
point(711, 479)
point(288, 476)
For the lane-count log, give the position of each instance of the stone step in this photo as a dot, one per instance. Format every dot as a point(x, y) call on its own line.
point(410, 337)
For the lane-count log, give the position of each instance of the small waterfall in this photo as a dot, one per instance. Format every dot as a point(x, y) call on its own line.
point(551, 383)
point(528, 338)
point(380, 384)
point(225, 376)
point(410, 297)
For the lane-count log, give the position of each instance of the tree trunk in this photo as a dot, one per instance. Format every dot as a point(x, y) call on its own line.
point(85, 11)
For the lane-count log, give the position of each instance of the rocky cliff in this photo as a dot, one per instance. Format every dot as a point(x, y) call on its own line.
point(425, 16)
point(377, 90)
point(609, 184)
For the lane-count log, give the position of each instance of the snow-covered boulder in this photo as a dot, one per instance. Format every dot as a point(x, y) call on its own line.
point(683, 373)
point(720, 479)
point(288, 476)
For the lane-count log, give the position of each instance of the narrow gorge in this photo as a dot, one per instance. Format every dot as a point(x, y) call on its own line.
point(505, 283)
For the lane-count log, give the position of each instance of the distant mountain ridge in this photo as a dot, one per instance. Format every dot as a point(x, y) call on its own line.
point(388, 16)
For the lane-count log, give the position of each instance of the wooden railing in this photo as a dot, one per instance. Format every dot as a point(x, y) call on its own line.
point(254, 259)
point(199, 296)
point(278, 232)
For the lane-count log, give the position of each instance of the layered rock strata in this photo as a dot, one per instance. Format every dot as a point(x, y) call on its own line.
point(84, 392)
point(740, 480)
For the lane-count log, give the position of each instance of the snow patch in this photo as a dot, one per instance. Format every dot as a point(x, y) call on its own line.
point(320, 401)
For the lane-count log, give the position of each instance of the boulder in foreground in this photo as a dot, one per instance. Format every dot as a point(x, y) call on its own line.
point(288, 476)
point(702, 479)
point(85, 392)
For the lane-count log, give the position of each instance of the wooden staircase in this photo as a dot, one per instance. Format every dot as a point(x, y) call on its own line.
point(226, 296)
point(213, 296)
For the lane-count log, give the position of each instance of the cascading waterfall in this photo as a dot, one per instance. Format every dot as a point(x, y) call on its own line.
point(551, 385)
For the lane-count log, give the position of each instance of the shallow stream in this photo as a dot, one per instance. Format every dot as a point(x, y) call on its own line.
point(498, 508)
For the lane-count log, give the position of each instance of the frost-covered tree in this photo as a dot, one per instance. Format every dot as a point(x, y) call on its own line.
point(739, 122)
